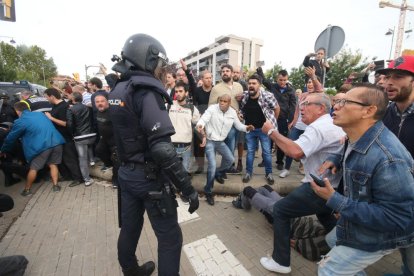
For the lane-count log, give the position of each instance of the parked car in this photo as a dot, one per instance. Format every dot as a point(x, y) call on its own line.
point(14, 88)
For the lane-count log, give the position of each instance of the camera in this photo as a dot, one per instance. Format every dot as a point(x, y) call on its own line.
point(115, 58)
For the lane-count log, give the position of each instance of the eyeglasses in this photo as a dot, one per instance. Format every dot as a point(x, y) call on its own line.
point(342, 102)
point(306, 103)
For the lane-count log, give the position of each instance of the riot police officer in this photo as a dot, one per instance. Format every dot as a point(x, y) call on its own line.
point(7, 113)
point(142, 131)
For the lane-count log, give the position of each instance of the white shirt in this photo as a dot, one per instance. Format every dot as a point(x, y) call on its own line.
point(86, 98)
point(182, 119)
point(320, 139)
point(218, 124)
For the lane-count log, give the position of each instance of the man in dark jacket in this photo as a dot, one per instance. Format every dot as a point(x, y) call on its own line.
point(399, 118)
point(106, 149)
point(80, 126)
point(286, 98)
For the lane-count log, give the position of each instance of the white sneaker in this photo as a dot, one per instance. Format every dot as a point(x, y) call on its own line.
point(303, 180)
point(284, 173)
point(271, 265)
point(92, 163)
point(88, 182)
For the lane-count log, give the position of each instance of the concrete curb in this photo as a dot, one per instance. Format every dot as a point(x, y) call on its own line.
point(232, 186)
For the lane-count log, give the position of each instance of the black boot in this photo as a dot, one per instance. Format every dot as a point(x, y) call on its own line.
point(143, 270)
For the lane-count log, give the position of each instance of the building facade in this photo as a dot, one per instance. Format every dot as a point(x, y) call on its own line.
point(228, 49)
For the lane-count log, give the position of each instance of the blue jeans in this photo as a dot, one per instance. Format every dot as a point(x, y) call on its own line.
point(231, 139)
point(407, 254)
point(282, 127)
point(226, 161)
point(300, 202)
point(265, 142)
point(293, 135)
point(344, 260)
point(185, 154)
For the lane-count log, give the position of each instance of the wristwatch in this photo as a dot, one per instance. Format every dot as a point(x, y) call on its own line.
point(271, 131)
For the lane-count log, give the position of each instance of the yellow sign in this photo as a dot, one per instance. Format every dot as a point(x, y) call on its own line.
point(7, 11)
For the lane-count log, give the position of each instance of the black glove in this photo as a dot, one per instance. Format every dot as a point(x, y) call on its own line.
point(193, 200)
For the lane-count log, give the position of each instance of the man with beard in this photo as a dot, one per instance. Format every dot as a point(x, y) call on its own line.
point(200, 99)
point(106, 149)
point(234, 89)
point(237, 77)
point(399, 118)
point(286, 98)
point(182, 116)
point(258, 106)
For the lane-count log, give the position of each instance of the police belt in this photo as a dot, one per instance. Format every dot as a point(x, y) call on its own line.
point(181, 145)
point(133, 165)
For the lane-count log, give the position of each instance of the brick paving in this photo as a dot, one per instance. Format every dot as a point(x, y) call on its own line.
point(74, 232)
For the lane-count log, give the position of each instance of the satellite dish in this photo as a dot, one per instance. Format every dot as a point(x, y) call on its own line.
point(332, 39)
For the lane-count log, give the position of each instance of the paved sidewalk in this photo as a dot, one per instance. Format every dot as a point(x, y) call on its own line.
point(74, 232)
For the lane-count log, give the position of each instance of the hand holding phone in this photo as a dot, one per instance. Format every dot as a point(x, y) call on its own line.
point(318, 181)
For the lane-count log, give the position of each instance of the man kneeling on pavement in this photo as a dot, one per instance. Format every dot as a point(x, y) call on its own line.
point(307, 234)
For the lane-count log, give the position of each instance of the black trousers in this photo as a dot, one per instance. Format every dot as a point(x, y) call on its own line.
point(134, 202)
point(69, 167)
point(282, 127)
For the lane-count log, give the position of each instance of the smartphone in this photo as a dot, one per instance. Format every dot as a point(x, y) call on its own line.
point(318, 181)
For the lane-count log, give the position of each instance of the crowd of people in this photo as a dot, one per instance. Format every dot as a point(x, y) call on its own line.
point(154, 122)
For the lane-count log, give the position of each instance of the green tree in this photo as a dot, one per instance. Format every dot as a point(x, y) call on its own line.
point(272, 73)
point(34, 65)
point(25, 63)
point(297, 77)
point(342, 65)
point(8, 62)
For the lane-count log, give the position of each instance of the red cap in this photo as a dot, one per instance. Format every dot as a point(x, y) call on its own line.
point(403, 63)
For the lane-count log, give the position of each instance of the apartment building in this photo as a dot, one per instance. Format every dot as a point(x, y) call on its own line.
point(229, 49)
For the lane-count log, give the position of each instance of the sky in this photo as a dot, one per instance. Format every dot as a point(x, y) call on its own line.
point(86, 32)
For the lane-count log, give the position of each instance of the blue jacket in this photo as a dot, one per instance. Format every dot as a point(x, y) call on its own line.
point(37, 132)
point(377, 208)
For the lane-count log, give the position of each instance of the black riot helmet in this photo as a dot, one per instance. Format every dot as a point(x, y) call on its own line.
point(141, 52)
point(4, 95)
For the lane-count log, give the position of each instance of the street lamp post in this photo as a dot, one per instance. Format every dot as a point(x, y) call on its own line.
point(44, 79)
point(12, 41)
point(403, 10)
point(391, 32)
point(86, 70)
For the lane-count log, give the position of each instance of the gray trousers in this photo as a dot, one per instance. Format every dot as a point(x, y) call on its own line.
point(262, 200)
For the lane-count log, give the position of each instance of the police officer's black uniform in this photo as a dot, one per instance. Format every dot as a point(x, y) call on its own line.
point(142, 131)
point(39, 104)
point(7, 112)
